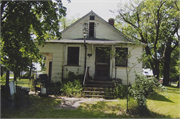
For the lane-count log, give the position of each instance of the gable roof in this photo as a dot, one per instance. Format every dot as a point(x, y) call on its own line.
point(93, 13)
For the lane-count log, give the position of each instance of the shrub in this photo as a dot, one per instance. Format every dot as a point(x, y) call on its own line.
point(142, 88)
point(120, 91)
point(71, 77)
point(3, 78)
point(72, 88)
point(54, 88)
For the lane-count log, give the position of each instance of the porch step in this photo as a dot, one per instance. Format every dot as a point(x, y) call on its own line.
point(100, 85)
point(98, 82)
point(96, 92)
point(103, 89)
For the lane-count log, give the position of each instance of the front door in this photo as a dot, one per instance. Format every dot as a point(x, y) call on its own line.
point(102, 63)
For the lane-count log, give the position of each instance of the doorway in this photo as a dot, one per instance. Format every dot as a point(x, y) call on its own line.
point(102, 63)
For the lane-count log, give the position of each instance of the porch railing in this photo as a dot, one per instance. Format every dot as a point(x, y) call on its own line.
point(86, 75)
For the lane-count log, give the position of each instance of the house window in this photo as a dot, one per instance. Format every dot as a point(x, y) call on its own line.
point(91, 29)
point(73, 56)
point(91, 17)
point(121, 57)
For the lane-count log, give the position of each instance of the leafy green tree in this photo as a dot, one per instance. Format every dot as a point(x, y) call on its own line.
point(156, 23)
point(23, 23)
point(66, 22)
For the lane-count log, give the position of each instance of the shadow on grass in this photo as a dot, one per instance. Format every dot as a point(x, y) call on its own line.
point(173, 89)
point(43, 107)
point(118, 111)
point(159, 97)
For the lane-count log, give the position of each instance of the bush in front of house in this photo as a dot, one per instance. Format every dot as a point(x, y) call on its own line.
point(72, 88)
point(142, 88)
point(120, 91)
point(72, 76)
point(54, 88)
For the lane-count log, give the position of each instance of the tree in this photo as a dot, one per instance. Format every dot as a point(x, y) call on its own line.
point(156, 23)
point(66, 22)
point(142, 88)
point(23, 23)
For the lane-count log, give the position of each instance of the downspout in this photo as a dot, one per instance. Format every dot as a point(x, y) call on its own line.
point(62, 73)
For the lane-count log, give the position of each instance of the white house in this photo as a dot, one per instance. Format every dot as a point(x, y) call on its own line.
point(101, 39)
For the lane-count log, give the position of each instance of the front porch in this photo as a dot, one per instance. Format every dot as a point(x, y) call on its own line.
point(99, 89)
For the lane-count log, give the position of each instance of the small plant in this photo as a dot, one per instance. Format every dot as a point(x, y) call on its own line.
point(142, 88)
point(71, 77)
point(72, 88)
point(54, 87)
point(120, 91)
point(106, 92)
point(3, 78)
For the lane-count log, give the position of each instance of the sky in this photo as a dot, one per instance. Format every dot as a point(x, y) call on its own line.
point(79, 8)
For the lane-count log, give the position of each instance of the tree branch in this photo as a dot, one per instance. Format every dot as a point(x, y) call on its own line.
point(9, 11)
point(2, 7)
point(175, 2)
point(176, 44)
point(127, 21)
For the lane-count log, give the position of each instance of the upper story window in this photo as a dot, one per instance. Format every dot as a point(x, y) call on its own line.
point(73, 56)
point(121, 57)
point(92, 18)
point(91, 29)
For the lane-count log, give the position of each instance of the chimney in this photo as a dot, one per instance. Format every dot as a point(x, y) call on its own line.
point(111, 22)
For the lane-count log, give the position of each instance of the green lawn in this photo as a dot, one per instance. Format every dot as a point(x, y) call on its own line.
point(159, 106)
point(22, 82)
point(166, 103)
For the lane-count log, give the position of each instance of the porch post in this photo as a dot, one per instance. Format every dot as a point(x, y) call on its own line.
point(85, 47)
point(85, 25)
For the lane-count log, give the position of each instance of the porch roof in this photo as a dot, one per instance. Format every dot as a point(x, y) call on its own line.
point(90, 41)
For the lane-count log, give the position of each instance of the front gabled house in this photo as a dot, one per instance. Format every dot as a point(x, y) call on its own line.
point(90, 42)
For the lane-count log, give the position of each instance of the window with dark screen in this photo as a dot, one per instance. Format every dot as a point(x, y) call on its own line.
point(92, 17)
point(91, 29)
point(121, 57)
point(73, 56)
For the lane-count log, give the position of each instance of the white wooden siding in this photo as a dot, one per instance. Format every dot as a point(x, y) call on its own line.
point(102, 30)
point(56, 56)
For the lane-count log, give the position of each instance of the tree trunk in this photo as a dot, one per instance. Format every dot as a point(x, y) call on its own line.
point(7, 82)
point(15, 76)
point(166, 67)
point(30, 71)
point(156, 69)
point(153, 63)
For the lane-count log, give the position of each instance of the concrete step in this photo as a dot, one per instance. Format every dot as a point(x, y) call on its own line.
point(99, 96)
point(97, 92)
point(98, 82)
point(98, 88)
point(100, 85)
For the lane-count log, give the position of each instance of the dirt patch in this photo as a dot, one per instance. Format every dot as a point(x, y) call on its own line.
point(74, 103)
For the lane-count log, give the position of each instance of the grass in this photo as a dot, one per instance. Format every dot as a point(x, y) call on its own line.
point(22, 82)
point(166, 103)
point(160, 105)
